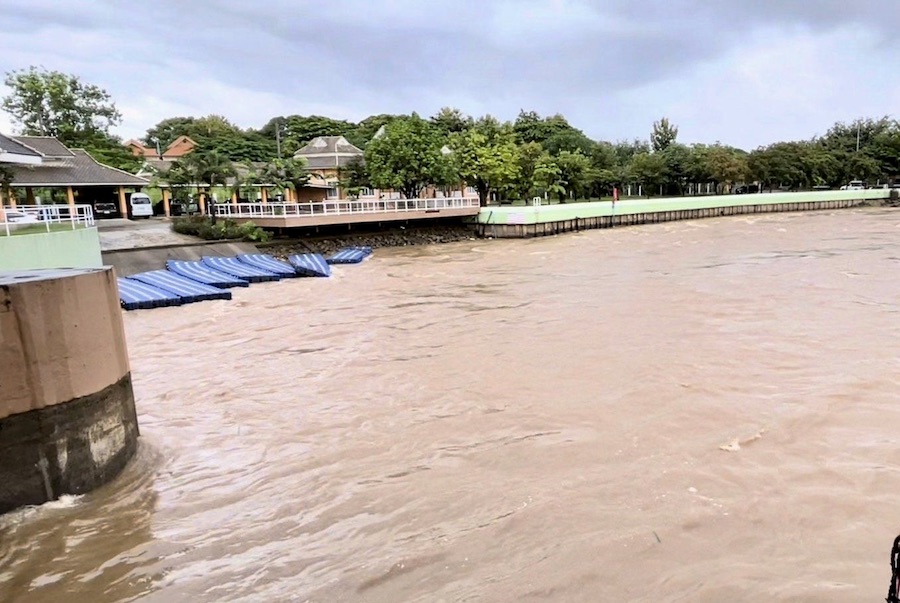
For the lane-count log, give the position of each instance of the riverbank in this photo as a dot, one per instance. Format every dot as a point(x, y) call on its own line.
point(401, 236)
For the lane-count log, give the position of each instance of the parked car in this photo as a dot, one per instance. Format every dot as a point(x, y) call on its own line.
point(18, 217)
point(745, 189)
point(105, 210)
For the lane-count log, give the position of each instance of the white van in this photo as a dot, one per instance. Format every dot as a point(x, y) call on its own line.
point(140, 205)
point(854, 185)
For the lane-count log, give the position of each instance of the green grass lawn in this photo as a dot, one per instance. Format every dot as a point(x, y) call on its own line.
point(26, 229)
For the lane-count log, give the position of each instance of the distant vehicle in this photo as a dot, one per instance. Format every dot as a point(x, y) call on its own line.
point(745, 189)
point(140, 205)
point(18, 217)
point(105, 210)
point(854, 185)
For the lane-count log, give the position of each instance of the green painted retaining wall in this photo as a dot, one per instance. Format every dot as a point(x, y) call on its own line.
point(79, 248)
point(576, 211)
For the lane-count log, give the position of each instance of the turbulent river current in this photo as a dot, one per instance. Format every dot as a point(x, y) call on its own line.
point(692, 411)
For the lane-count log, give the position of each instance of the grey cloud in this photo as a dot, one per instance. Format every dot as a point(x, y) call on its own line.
point(579, 57)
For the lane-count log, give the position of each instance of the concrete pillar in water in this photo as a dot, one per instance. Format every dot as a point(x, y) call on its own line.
point(67, 416)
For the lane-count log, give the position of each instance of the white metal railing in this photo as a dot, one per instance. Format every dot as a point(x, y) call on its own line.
point(342, 206)
point(35, 218)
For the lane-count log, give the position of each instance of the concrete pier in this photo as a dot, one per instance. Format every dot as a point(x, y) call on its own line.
point(67, 416)
point(543, 220)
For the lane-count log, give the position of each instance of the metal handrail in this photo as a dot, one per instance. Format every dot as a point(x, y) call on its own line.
point(341, 206)
point(25, 216)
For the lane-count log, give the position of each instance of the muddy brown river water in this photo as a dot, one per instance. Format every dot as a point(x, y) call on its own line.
point(692, 411)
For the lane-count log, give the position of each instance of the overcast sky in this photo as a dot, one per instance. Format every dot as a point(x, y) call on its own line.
point(745, 73)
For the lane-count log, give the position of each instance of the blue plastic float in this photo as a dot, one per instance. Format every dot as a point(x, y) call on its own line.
point(185, 288)
point(197, 271)
point(235, 267)
point(310, 264)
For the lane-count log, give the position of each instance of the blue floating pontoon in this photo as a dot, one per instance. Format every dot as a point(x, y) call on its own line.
point(196, 271)
point(350, 255)
point(235, 267)
point(188, 290)
point(310, 264)
point(267, 262)
point(135, 295)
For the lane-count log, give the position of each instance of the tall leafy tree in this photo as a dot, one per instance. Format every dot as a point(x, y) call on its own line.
point(664, 134)
point(648, 169)
point(214, 133)
point(450, 120)
point(530, 154)
point(51, 103)
point(548, 177)
point(294, 131)
point(486, 156)
point(575, 170)
point(554, 133)
point(726, 165)
point(407, 157)
point(354, 176)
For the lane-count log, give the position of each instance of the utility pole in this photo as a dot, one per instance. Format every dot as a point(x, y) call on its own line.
point(857, 136)
point(278, 137)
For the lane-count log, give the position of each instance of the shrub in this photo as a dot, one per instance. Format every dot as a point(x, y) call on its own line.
point(202, 226)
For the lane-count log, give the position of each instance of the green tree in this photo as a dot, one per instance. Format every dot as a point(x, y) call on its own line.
point(575, 171)
point(214, 133)
point(486, 156)
point(605, 172)
point(407, 158)
point(529, 155)
point(548, 177)
point(649, 170)
point(166, 131)
point(449, 120)
point(677, 159)
point(554, 133)
point(297, 130)
point(363, 133)
point(286, 174)
point(354, 176)
point(207, 170)
point(726, 165)
point(51, 103)
point(664, 134)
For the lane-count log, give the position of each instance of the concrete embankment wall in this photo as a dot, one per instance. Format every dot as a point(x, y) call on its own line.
point(67, 416)
point(519, 222)
point(142, 259)
point(76, 248)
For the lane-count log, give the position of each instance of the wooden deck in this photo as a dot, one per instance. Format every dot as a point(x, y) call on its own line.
point(296, 215)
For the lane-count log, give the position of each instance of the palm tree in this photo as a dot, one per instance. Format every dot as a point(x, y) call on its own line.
point(209, 169)
point(287, 174)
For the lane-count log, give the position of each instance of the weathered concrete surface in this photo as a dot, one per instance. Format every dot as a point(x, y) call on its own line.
point(68, 448)
point(67, 419)
point(129, 234)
